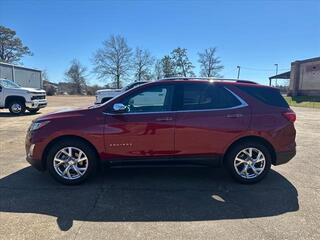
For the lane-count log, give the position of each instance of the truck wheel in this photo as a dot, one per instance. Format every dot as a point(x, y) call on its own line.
point(17, 107)
point(248, 162)
point(33, 110)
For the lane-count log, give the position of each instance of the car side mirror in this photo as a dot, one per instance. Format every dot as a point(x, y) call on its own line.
point(119, 107)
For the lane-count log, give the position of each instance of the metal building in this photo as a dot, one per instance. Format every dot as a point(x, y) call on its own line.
point(304, 77)
point(25, 77)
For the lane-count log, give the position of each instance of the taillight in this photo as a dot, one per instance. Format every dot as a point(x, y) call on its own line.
point(290, 116)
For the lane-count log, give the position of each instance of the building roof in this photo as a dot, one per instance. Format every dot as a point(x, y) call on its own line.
point(309, 60)
point(20, 67)
point(285, 75)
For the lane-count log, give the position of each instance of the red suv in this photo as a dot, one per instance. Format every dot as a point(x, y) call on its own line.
point(241, 125)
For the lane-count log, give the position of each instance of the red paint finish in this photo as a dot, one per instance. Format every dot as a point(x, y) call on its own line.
point(172, 133)
point(209, 132)
point(139, 135)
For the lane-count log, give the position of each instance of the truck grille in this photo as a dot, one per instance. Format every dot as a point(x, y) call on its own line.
point(38, 97)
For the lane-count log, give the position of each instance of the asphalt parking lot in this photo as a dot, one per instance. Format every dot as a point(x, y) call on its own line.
point(159, 203)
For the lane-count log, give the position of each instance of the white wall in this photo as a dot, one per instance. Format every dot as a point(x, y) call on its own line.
point(22, 76)
point(27, 78)
point(6, 72)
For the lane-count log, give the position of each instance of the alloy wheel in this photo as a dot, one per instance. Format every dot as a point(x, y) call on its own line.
point(249, 163)
point(70, 163)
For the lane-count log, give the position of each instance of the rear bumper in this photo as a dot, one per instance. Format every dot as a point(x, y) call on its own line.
point(284, 157)
point(41, 103)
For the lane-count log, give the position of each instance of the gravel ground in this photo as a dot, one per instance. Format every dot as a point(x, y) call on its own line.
point(158, 203)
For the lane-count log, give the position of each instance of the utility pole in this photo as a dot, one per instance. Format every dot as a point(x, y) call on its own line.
point(238, 72)
point(276, 64)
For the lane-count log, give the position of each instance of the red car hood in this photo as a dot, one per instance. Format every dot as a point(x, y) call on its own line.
point(64, 113)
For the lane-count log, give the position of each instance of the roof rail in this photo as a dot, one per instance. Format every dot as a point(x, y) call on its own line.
point(246, 81)
point(209, 79)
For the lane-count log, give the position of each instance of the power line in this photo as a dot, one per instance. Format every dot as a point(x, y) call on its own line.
point(264, 69)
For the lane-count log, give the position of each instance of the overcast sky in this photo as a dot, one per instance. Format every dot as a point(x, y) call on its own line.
point(252, 34)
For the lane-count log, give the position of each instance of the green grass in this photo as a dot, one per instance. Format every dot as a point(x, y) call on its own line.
point(303, 101)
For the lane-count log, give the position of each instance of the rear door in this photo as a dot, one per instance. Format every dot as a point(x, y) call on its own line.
point(208, 118)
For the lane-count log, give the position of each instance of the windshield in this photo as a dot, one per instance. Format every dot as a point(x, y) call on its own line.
point(8, 84)
point(133, 85)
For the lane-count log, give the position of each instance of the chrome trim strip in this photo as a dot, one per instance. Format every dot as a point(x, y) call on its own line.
point(242, 105)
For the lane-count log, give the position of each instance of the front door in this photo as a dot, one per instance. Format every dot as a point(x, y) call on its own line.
point(146, 129)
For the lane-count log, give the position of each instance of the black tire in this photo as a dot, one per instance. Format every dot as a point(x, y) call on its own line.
point(235, 150)
point(17, 107)
point(33, 111)
point(76, 143)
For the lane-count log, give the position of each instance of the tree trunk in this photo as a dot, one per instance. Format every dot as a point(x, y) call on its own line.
point(118, 81)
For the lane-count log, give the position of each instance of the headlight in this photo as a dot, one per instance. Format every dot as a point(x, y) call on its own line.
point(36, 125)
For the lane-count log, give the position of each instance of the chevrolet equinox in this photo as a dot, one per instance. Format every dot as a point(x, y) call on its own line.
point(243, 126)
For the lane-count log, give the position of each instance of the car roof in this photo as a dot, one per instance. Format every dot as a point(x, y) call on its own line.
point(219, 81)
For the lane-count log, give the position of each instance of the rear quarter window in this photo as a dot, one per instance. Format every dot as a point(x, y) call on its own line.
point(270, 96)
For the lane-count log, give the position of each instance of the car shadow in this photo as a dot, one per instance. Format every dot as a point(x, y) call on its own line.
point(147, 194)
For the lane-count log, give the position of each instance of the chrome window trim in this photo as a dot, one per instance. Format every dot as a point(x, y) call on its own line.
point(241, 105)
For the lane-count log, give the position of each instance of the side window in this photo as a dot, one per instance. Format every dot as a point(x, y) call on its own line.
point(205, 96)
point(267, 95)
point(153, 99)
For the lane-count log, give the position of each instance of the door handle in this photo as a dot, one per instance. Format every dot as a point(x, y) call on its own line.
point(236, 115)
point(164, 119)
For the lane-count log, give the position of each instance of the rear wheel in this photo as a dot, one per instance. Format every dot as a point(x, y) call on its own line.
point(71, 161)
point(17, 107)
point(248, 162)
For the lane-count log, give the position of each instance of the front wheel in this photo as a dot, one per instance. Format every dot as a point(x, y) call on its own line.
point(71, 161)
point(248, 162)
point(17, 107)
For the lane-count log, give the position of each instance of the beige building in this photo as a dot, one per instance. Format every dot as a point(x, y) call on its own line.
point(304, 77)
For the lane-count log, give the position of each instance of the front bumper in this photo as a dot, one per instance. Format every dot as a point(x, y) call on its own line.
point(284, 157)
point(37, 164)
point(32, 155)
point(33, 104)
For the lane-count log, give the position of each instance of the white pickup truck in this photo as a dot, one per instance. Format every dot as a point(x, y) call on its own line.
point(18, 99)
point(105, 95)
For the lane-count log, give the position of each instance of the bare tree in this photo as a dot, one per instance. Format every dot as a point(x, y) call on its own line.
point(113, 60)
point(210, 64)
point(183, 66)
point(11, 47)
point(142, 64)
point(44, 75)
point(157, 72)
point(76, 74)
point(167, 67)
point(50, 88)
